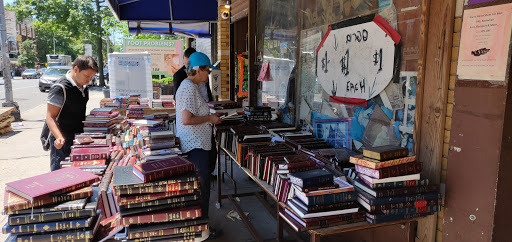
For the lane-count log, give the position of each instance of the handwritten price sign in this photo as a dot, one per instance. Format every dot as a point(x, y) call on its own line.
point(356, 57)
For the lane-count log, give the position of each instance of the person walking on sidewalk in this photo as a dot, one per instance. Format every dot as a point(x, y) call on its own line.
point(69, 106)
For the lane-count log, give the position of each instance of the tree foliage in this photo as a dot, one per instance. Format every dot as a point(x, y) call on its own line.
point(28, 54)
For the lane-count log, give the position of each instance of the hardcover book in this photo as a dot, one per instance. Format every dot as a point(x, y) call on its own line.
point(91, 153)
point(398, 205)
point(392, 171)
point(304, 214)
point(66, 206)
point(186, 198)
point(154, 170)
point(150, 197)
point(51, 216)
point(377, 164)
point(371, 200)
point(140, 228)
point(48, 227)
point(13, 202)
point(386, 152)
point(52, 183)
point(312, 178)
point(162, 216)
point(390, 179)
point(394, 192)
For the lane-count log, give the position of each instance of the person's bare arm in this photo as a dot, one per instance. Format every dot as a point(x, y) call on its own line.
point(187, 118)
point(52, 112)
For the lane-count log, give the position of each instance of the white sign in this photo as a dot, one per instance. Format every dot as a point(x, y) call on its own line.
point(356, 57)
point(130, 73)
point(10, 23)
point(88, 49)
point(215, 82)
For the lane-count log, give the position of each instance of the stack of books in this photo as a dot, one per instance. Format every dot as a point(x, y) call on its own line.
point(159, 145)
point(157, 103)
point(56, 206)
point(159, 200)
point(81, 149)
point(224, 104)
point(103, 120)
point(135, 111)
point(389, 185)
point(258, 113)
point(122, 100)
point(134, 99)
point(167, 101)
point(145, 102)
point(317, 199)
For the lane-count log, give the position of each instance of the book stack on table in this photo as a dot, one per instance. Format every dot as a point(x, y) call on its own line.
point(258, 113)
point(389, 185)
point(158, 201)
point(135, 111)
point(317, 199)
point(224, 104)
point(159, 145)
point(102, 120)
point(168, 101)
point(56, 206)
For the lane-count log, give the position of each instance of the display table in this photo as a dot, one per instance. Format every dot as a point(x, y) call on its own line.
point(267, 190)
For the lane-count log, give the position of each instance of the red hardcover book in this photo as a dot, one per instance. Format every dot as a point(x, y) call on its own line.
point(162, 216)
point(150, 197)
point(171, 187)
point(90, 153)
point(154, 170)
point(162, 232)
point(392, 171)
point(89, 163)
point(13, 202)
point(52, 183)
point(83, 140)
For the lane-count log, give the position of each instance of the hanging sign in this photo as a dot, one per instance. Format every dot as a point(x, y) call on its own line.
point(356, 59)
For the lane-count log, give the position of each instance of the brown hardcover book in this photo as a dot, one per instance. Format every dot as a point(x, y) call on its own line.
point(150, 197)
point(162, 232)
point(170, 187)
point(162, 216)
point(96, 153)
point(386, 152)
point(13, 202)
point(154, 170)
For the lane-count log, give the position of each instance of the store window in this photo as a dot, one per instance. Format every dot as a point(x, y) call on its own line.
point(276, 50)
point(385, 119)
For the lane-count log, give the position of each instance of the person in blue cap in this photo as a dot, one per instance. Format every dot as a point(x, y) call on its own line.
point(193, 121)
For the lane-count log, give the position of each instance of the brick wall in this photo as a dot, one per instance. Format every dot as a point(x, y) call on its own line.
point(449, 109)
point(223, 51)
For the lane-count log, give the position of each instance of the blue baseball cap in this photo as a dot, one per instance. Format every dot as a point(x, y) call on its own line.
point(197, 59)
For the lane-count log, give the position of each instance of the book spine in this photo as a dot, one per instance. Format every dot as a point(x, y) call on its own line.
point(26, 204)
point(332, 198)
point(375, 219)
point(171, 187)
point(330, 207)
point(386, 155)
point(403, 211)
point(301, 164)
point(300, 169)
point(327, 222)
point(90, 156)
point(57, 237)
point(393, 192)
point(413, 204)
point(126, 212)
point(149, 197)
point(399, 184)
point(167, 216)
point(161, 202)
point(384, 200)
point(184, 237)
point(171, 231)
point(393, 171)
point(174, 171)
point(89, 163)
point(47, 227)
point(52, 216)
point(382, 164)
point(313, 181)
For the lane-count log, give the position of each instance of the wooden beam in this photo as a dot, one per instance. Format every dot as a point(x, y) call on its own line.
point(433, 78)
point(251, 39)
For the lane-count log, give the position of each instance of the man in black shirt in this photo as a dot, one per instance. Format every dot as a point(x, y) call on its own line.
point(66, 108)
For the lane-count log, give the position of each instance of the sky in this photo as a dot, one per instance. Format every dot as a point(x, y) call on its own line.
point(8, 1)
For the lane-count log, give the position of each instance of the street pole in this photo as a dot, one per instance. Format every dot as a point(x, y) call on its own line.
point(100, 46)
point(9, 99)
point(54, 43)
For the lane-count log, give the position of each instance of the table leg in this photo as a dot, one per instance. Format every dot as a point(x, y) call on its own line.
point(315, 237)
point(219, 188)
point(279, 226)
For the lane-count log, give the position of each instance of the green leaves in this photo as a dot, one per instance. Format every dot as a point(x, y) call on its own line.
point(28, 56)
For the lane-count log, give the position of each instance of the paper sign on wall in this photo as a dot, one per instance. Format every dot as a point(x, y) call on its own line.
point(356, 58)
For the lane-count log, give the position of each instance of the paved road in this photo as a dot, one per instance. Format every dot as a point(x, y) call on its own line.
point(25, 92)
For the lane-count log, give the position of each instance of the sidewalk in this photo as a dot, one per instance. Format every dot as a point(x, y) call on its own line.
point(21, 152)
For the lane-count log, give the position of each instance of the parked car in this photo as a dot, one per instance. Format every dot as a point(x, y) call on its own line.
point(52, 75)
point(29, 74)
point(96, 79)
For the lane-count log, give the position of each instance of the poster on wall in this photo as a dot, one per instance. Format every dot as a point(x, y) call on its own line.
point(356, 59)
point(166, 55)
point(484, 43)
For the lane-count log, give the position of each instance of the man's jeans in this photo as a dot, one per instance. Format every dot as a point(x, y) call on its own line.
point(58, 155)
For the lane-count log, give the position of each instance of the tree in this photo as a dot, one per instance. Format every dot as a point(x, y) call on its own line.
point(28, 56)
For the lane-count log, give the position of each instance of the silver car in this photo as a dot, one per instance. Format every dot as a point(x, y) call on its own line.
point(51, 76)
point(29, 74)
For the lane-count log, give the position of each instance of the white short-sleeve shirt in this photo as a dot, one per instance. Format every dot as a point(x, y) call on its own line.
point(192, 136)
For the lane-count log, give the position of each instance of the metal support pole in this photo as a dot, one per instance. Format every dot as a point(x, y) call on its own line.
point(54, 43)
point(100, 46)
point(9, 99)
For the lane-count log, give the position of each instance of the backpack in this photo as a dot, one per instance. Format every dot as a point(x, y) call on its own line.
point(45, 133)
